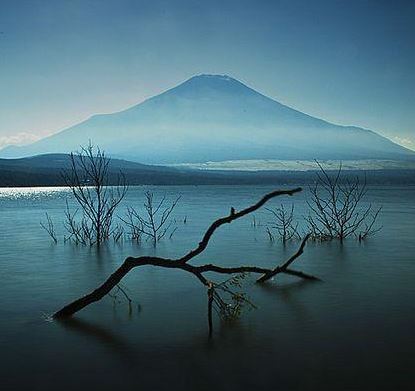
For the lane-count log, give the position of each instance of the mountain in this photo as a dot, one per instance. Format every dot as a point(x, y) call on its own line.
point(215, 118)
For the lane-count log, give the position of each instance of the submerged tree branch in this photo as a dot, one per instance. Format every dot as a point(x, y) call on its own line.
point(198, 271)
point(233, 216)
point(284, 267)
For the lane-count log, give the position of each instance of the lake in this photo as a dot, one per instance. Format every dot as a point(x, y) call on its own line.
point(355, 330)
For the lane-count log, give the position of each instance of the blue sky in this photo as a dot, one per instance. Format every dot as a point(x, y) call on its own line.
point(349, 62)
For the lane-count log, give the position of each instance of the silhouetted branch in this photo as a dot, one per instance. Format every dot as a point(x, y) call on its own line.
point(233, 216)
point(369, 228)
point(336, 209)
point(156, 222)
point(284, 267)
point(198, 271)
point(87, 178)
point(49, 228)
point(283, 224)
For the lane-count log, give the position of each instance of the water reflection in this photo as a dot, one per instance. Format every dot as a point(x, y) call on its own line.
point(288, 294)
point(109, 339)
point(32, 192)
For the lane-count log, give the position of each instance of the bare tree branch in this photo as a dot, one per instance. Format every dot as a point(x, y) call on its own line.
point(336, 208)
point(233, 216)
point(198, 271)
point(283, 224)
point(156, 223)
point(49, 228)
point(87, 178)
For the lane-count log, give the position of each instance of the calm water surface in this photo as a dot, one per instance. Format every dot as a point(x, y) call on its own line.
point(354, 331)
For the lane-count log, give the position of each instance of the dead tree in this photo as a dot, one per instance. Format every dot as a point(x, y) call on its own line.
point(156, 222)
point(88, 178)
point(336, 208)
point(183, 263)
point(283, 224)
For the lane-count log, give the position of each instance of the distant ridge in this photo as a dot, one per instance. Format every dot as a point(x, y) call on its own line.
point(216, 118)
point(46, 170)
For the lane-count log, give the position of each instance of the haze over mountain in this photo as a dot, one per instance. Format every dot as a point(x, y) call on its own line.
point(215, 118)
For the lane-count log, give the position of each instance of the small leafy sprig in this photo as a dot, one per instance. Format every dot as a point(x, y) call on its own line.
point(229, 301)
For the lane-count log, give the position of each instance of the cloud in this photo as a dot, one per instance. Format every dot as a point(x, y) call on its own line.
point(18, 139)
point(405, 142)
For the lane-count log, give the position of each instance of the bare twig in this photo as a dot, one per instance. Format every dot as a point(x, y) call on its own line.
point(156, 223)
point(49, 228)
point(283, 223)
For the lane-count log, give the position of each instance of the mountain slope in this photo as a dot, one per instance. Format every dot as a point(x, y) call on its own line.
point(214, 118)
